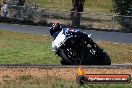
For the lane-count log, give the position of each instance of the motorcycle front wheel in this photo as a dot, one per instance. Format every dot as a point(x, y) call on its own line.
point(71, 56)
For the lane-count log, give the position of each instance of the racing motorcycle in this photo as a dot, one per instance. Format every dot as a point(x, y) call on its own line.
point(77, 48)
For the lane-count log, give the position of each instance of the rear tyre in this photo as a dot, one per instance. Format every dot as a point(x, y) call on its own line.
point(105, 59)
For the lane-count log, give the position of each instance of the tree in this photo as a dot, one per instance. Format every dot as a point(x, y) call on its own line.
point(124, 9)
point(77, 7)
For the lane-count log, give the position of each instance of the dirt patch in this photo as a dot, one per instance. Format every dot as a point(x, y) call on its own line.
point(4, 45)
point(63, 73)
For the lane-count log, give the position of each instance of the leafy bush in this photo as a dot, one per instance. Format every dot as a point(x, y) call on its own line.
point(124, 8)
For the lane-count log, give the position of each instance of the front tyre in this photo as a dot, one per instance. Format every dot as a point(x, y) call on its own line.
point(64, 62)
point(72, 56)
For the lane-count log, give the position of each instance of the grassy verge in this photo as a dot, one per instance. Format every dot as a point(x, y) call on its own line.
point(90, 5)
point(20, 48)
point(95, 6)
point(50, 82)
point(17, 48)
point(119, 53)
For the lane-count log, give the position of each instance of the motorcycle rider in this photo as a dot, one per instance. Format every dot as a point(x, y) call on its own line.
point(54, 31)
point(59, 35)
point(63, 45)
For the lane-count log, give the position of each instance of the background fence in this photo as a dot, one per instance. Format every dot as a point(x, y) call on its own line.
point(88, 20)
point(33, 12)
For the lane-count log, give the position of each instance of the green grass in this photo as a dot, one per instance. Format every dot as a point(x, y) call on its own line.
point(20, 48)
point(51, 82)
point(118, 52)
point(17, 48)
point(94, 6)
point(90, 5)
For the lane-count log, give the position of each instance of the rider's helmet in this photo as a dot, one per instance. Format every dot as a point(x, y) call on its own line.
point(55, 28)
point(56, 25)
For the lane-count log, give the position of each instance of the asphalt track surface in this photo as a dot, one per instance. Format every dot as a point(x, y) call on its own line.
point(114, 37)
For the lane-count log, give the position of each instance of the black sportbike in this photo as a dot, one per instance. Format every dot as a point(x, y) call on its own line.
point(79, 49)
